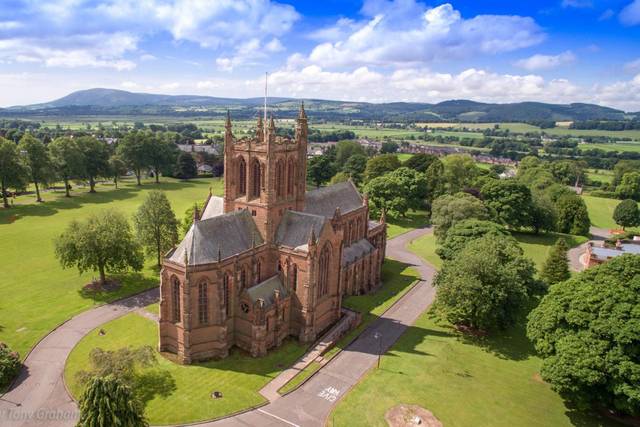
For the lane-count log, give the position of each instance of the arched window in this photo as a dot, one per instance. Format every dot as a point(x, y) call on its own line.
point(291, 177)
point(359, 232)
point(225, 293)
point(280, 178)
point(258, 272)
point(323, 270)
point(242, 177)
point(203, 304)
point(243, 279)
point(255, 189)
point(175, 289)
point(294, 277)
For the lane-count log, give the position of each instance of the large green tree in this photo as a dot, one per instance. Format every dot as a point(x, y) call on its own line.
point(449, 209)
point(573, 217)
point(629, 187)
point(465, 231)
point(420, 162)
point(320, 169)
point(136, 149)
point(38, 159)
point(435, 180)
point(380, 165)
point(123, 364)
point(627, 214)
point(396, 192)
point(623, 167)
point(460, 171)
point(556, 266)
point(186, 166)
point(509, 202)
point(156, 224)
point(102, 242)
point(355, 167)
point(107, 401)
point(345, 150)
point(587, 329)
point(68, 160)
point(163, 153)
point(96, 159)
point(486, 285)
point(117, 168)
point(13, 172)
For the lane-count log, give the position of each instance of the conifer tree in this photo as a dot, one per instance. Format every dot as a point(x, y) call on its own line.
point(556, 267)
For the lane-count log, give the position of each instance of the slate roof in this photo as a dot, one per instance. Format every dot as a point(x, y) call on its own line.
point(605, 253)
point(230, 233)
point(214, 207)
point(295, 228)
point(265, 290)
point(324, 201)
point(355, 251)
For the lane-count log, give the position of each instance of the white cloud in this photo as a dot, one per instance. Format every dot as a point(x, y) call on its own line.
point(546, 62)
point(632, 66)
point(147, 57)
point(607, 14)
point(402, 32)
point(577, 3)
point(274, 46)
point(130, 85)
point(630, 15)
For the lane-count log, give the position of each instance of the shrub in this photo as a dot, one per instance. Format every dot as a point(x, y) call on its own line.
point(9, 365)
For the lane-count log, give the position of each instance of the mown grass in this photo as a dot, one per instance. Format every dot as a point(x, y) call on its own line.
point(178, 394)
point(37, 294)
point(412, 220)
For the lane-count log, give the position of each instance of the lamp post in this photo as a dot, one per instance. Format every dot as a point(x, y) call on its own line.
point(377, 336)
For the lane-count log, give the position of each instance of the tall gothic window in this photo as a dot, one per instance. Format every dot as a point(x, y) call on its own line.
point(175, 289)
point(294, 277)
point(225, 293)
point(243, 279)
point(323, 270)
point(255, 189)
point(280, 178)
point(203, 304)
point(291, 177)
point(258, 272)
point(242, 177)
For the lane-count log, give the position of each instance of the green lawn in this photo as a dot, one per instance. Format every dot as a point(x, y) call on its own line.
point(403, 157)
point(177, 394)
point(602, 175)
point(601, 211)
point(412, 220)
point(493, 382)
point(37, 294)
point(397, 279)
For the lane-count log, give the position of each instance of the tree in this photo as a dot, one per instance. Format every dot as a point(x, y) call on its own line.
point(117, 168)
point(121, 364)
point(508, 201)
point(435, 180)
point(345, 150)
point(339, 177)
point(163, 154)
point(449, 209)
point(13, 172)
point(627, 214)
point(67, 160)
point(96, 159)
point(486, 285)
point(108, 402)
point(465, 231)
point(379, 165)
point(355, 167)
point(586, 330)
point(389, 147)
point(136, 149)
point(573, 217)
point(420, 162)
point(37, 159)
point(556, 266)
point(156, 224)
point(543, 212)
point(396, 192)
point(629, 187)
point(9, 365)
point(101, 242)
point(186, 167)
point(460, 171)
point(320, 169)
point(623, 167)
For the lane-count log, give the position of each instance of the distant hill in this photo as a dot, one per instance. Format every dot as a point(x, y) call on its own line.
point(120, 102)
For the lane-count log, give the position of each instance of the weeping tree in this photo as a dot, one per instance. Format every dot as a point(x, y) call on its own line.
point(107, 401)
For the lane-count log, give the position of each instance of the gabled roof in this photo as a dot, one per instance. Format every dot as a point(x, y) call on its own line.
point(266, 289)
point(214, 207)
point(228, 234)
point(295, 228)
point(324, 201)
point(356, 251)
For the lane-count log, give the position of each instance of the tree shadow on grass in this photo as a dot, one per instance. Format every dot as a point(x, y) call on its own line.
point(130, 283)
point(154, 382)
point(511, 344)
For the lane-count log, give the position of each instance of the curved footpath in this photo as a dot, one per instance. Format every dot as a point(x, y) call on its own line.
point(40, 398)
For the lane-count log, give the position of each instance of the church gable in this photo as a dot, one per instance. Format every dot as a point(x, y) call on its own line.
point(324, 201)
point(296, 228)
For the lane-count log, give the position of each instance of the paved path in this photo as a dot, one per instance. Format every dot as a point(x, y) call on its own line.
point(40, 398)
point(576, 255)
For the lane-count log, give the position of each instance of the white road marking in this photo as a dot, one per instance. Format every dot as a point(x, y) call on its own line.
point(277, 417)
point(330, 394)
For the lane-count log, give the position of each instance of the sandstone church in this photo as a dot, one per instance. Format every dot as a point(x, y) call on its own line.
point(269, 259)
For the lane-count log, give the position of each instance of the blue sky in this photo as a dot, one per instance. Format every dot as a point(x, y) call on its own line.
point(377, 50)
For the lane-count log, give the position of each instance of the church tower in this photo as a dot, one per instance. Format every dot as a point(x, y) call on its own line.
point(266, 174)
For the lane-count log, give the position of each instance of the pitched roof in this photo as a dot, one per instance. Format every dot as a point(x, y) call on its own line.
point(324, 201)
point(229, 234)
point(266, 289)
point(214, 207)
point(295, 228)
point(355, 251)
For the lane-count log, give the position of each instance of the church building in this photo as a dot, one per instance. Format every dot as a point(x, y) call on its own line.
point(270, 259)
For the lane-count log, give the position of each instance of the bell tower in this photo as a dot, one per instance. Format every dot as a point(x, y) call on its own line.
point(266, 174)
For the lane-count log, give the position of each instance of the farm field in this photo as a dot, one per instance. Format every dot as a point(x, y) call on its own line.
point(37, 293)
